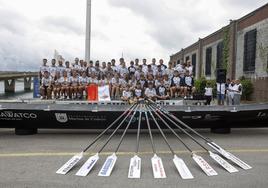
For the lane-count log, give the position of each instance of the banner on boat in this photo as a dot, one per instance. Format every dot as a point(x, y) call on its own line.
point(98, 93)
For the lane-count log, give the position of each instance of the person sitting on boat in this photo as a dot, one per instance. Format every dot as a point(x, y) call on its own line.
point(143, 82)
point(83, 84)
point(150, 92)
point(115, 85)
point(189, 83)
point(65, 83)
point(150, 79)
point(157, 81)
point(123, 82)
point(176, 85)
point(132, 82)
point(74, 84)
point(45, 88)
point(162, 92)
point(56, 85)
point(127, 94)
point(138, 92)
point(167, 83)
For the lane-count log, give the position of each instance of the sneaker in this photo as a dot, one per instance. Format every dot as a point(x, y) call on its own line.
point(41, 97)
point(191, 97)
point(185, 97)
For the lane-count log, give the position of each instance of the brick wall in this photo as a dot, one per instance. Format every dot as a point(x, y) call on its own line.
point(260, 89)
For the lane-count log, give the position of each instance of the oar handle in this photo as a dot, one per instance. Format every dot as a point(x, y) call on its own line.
point(104, 131)
point(150, 132)
point(125, 131)
point(162, 133)
point(179, 121)
point(184, 131)
point(110, 137)
point(138, 133)
point(180, 139)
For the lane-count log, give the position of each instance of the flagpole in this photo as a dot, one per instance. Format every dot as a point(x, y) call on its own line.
point(88, 31)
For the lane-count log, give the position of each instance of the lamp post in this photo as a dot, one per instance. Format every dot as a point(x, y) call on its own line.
point(88, 31)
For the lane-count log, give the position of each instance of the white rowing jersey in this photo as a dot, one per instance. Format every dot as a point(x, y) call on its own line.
point(150, 92)
point(83, 81)
point(52, 71)
point(74, 81)
point(93, 80)
point(176, 80)
point(46, 81)
point(188, 81)
point(127, 94)
point(64, 81)
point(61, 69)
point(138, 92)
point(43, 69)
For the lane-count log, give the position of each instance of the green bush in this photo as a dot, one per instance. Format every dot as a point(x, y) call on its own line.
point(201, 84)
point(247, 88)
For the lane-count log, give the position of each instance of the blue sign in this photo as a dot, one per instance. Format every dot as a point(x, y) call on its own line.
point(36, 88)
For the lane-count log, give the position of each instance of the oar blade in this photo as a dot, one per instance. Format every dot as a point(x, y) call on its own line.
point(134, 167)
point(182, 168)
point(158, 168)
point(230, 156)
point(204, 165)
point(87, 166)
point(108, 165)
point(70, 164)
point(227, 166)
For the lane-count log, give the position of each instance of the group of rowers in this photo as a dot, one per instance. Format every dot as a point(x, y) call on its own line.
point(65, 80)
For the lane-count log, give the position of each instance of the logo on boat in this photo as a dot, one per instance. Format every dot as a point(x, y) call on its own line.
point(61, 117)
point(17, 115)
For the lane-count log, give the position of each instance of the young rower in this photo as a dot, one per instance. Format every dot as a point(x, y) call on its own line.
point(45, 88)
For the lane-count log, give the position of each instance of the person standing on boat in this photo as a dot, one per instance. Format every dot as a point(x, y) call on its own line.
point(53, 69)
point(208, 94)
point(43, 69)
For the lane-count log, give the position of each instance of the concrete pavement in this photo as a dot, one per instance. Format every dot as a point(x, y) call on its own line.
point(31, 161)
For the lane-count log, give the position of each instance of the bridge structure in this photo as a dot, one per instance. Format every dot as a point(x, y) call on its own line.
point(10, 78)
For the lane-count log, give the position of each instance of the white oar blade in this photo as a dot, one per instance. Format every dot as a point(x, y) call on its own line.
point(229, 156)
point(134, 167)
point(227, 166)
point(108, 166)
point(87, 166)
point(70, 164)
point(182, 168)
point(158, 168)
point(204, 165)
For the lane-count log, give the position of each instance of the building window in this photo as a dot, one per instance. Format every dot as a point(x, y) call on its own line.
point(208, 61)
point(250, 50)
point(219, 64)
point(187, 58)
point(178, 62)
point(194, 63)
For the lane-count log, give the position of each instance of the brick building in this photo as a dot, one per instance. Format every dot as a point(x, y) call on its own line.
point(241, 47)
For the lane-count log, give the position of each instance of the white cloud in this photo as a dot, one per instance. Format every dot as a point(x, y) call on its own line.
point(31, 30)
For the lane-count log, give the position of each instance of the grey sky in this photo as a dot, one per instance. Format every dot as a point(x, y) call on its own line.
point(31, 30)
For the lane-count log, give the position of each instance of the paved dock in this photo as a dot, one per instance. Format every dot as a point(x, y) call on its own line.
point(31, 161)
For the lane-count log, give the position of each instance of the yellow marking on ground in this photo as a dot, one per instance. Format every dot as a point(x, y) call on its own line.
point(54, 154)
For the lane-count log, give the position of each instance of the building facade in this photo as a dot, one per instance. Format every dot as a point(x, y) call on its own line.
point(240, 47)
